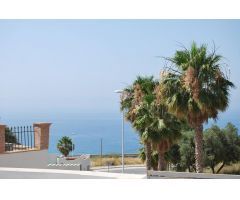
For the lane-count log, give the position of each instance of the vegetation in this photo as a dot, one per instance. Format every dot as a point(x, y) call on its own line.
point(114, 160)
point(65, 146)
point(194, 88)
point(231, 169)
point(10, 137)
point(158, 130)
point(154, 158)
point(221, 148)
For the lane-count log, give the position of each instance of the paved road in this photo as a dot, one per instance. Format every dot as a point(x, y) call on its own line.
point(114, 173)
point(30, 173)
point(168, 174)
point(128, 170)
point(40, 175)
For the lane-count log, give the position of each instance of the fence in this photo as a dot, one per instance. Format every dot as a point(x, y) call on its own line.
point(19, 138)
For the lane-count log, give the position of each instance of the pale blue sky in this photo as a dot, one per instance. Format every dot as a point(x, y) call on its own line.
point(57, 66)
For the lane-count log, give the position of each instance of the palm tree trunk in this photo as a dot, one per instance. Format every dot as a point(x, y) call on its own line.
point(148, 149)
point(199, 148)
point(161, 161)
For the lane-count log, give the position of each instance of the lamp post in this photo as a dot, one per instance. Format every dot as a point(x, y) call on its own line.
point(121, 93)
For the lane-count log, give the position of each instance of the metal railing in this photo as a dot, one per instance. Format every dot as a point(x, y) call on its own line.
point(19, 138)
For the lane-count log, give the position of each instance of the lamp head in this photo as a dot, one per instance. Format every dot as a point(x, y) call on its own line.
point(118, 91)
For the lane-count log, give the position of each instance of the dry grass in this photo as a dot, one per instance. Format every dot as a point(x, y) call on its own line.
point(228, 169)
point(231, 169)
point(114, 160)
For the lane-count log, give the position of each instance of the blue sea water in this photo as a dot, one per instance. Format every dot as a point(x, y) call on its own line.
point(87, 130)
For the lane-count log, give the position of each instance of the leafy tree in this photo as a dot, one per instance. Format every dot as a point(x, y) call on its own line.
point(187, 151)
point(232, 143)
point(10, 137)
point(181, 155)
point(221, 146)
point(195, 89)
point(65, 145)
point(173, 156)
point(214, 149)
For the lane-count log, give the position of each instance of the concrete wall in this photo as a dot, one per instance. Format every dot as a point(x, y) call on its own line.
point(30, 159)
point(41, 160)
point(188, 175)
point(80, 163)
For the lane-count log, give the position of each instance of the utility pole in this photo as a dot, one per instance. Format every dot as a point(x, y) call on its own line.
point(101, 150)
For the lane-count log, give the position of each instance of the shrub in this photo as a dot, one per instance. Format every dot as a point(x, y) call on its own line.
point(10, 137)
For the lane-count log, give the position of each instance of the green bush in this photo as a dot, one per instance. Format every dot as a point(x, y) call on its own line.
point(10, 137)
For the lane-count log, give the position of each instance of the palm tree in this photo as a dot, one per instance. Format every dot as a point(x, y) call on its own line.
point(154, 158)
point(142, 124)
point(65, 145)
point(157, 128)
point(195, 88)
point(162, 129)
point(167, 135)
point(135, 97)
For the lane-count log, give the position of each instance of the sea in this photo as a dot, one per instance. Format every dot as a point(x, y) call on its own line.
point(90, 131)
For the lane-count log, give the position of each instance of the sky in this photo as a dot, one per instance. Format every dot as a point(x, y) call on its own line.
point(74, 66)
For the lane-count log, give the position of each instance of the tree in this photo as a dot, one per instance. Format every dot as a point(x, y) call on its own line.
point(10, 136)
point(157, 128)
point(214, 149)
point(221, 146)
point(187, 151)
point(173, 156)
point(167, 132)
point(154, 158)
point(195, 89)
point(135, 99)
point(232, 142)
point(65, 145)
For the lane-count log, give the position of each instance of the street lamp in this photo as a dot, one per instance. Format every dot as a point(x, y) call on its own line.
point(121, 93)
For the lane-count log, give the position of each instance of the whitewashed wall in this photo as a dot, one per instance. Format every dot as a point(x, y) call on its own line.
point(30, 159)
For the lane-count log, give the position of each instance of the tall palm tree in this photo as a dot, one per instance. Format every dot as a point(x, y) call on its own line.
point(156, 127)
point(162, 129)
point(167, 134)
point(139, 95)
point(142, 123)
point(154, 158)
point(195, 88)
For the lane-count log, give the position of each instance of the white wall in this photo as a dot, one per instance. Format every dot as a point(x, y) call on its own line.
point(39, 159)
point(63, 163)
point(30, 159)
